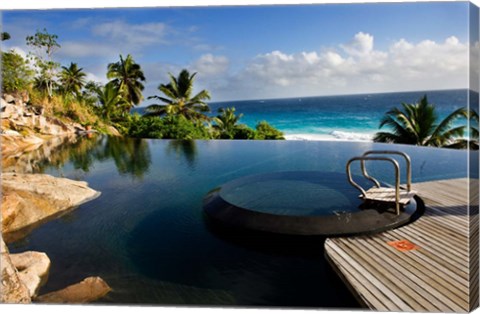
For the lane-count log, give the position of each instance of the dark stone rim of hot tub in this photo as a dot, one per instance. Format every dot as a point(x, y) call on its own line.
point(372, 219)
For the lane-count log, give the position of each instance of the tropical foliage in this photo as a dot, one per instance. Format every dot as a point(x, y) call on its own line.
point(178, 99)
point(227, 127)
point(111, 100)
point(72, 79)
point(417, 124)
point(16, 73)
point(471, 141)
point(127, 76)
point(265, 131)
point(169, 127)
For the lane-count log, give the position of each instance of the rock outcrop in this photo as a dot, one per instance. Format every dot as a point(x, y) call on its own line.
point(88, 290)
point(18, 115)
point(24, 273)
point(12, 289)
point(33, 268)
point(30, 199)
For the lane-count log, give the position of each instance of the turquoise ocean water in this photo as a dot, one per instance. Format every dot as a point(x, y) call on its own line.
point(343, 117)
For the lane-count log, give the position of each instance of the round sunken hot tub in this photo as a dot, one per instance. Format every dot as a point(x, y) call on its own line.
point(304, 203)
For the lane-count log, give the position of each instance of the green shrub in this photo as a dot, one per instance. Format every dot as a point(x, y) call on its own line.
point(267, 132)
point(145, 127)
point(244, 133)
point(178, 127)
point(168, 127)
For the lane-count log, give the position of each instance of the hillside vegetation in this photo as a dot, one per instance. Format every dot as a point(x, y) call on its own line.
point(63, 92)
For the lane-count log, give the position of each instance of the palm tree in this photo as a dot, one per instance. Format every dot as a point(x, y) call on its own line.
point(417, 125)
point(179, 100)
point(226, 122)
point(127, 76)
point(111, 100)
point(72, 79)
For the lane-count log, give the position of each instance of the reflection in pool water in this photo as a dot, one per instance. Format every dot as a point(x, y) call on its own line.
point(147, 237)
point(293, 193)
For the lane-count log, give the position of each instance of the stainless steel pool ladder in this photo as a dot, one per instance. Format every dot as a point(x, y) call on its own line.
point(379, 193)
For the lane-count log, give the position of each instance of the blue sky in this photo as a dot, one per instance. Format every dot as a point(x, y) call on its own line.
point(258, 52)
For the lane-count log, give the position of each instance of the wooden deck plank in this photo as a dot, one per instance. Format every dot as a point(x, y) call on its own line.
point(434, 242)
point(386, 296)
point(405, 264)
point(438, 276)
point(373, 297)
point(441, 264)
point(406, 280)
point(406, 293)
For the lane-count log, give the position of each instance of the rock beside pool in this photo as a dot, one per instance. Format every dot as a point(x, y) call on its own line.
point(31, 199)
point(88, 290)
point(12, 289)
point(22, 274)
point(33, 268)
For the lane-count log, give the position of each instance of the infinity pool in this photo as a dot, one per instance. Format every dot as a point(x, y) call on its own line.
point(313, 203)
point(148, 237)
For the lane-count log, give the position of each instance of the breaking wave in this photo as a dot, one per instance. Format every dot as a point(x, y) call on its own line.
point(332, 136)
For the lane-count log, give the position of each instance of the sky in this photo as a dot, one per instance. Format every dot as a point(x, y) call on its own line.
point(261, 52)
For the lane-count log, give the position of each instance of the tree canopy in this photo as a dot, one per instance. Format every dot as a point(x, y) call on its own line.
point(45, 45)
point(178, 99)
point(128, 76)
point(72, 79)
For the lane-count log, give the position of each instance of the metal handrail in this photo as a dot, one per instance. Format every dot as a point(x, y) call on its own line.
point(397, 177)
point(384, 152)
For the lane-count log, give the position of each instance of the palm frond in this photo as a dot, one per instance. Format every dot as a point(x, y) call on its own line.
point(155, 110)
point(448, 121)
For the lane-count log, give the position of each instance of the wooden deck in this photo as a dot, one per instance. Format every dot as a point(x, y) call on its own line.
point(440, 275)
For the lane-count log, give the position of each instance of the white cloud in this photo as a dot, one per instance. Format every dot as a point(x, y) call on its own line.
point(354, 67)
point(113, 38)
point(132, 35)
point(96, 78)
point(210, 65)
point(361, 45)
point(428, 59)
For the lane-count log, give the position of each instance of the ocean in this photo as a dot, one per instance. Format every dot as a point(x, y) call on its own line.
point(343, 117)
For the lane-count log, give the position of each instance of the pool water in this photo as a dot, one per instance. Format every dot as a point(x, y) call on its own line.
point(305, 193)
point(148, 238)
